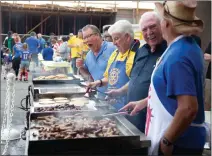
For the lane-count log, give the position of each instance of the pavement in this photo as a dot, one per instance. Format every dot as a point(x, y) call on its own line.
point(16, 147)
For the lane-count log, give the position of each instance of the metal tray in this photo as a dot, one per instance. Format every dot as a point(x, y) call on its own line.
point(62, 81)
point(131, 139)
point(36, 106)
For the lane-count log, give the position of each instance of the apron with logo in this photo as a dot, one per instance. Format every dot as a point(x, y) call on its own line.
point(118, 78)
point(155, 128)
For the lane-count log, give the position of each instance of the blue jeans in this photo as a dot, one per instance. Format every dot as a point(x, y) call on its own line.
point(35, 58)
point(73, 65)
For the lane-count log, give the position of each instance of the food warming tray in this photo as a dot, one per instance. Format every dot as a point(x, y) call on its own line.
point(128, 143)
point(73, 79)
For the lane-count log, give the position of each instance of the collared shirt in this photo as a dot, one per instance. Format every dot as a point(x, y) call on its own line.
point(129, 56)
point(33, 44)
point(121, 57)
point(144, 64)
point(96, 65)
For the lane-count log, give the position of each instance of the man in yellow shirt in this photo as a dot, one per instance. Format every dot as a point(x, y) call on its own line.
point(121, 60)
point(83, 47)
point(74, 43)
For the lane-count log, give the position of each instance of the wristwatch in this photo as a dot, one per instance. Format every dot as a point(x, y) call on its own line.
point(166, 142)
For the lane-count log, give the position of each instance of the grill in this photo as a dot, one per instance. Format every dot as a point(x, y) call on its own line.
point(128, 142)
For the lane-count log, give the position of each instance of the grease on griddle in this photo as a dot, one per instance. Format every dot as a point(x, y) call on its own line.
point(73, 127)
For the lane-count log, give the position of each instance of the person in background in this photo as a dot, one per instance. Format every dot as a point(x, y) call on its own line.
point(7, 56)
point(16, 37)
point(42, 42)
point(33, 45)
point(64, 50)
point(74, 43)
point(9, 41)
point(106, 35)
point(175, 104)
point(84, 47)
point(59, 41)
point(207, 56)
point(52, 36)
point(25, 60)
point(144, 63)
point(47, 53)
point(16, 59)
point(96, 60)
point(55, 45)
point(121, 61)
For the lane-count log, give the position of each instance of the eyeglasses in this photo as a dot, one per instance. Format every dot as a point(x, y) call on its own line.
point(88, 36)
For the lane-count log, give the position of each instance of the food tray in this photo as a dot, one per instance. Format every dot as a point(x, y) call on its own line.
point(71, 79)
point(89, 106)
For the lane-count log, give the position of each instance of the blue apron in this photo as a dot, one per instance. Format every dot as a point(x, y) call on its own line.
point(118, 78)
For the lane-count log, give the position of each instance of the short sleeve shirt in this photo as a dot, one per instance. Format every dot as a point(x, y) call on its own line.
point(181, 72)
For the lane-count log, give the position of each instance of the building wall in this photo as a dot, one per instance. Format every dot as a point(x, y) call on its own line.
point(204, 12)
point(130, 15)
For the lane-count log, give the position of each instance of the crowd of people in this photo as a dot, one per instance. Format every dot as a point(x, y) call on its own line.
point(160, 83)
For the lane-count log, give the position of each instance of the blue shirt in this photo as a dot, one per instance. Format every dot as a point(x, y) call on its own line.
point(48, 54)
point(33, 44)
point(25, 55)
point(181, 72)
point(143, 66)
point(17, 50)
point(41, 43)
point(96, 65)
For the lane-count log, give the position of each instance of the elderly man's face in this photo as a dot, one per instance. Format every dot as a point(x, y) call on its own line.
point(90, 38)
point(150, 27)
point(121, 40)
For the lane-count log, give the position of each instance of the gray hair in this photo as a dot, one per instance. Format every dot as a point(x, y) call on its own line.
point(93, 28)
point(149, 14)
point(122, 26)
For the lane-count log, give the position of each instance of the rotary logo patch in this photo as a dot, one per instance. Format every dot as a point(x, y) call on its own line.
point(114, 76)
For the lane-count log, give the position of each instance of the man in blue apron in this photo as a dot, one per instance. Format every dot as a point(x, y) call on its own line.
point(144, 63)
point(121, 61)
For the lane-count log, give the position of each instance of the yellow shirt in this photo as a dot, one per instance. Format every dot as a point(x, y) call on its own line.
point(83, 49)
point(75, 51)
point(121, 57)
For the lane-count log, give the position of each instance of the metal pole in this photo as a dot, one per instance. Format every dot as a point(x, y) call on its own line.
point(58, 24)
point(37, 25)
point(137, 12)
point(1, 25)
point(26, 23)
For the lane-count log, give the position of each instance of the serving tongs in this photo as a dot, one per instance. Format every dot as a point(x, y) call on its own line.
point(115, 114)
